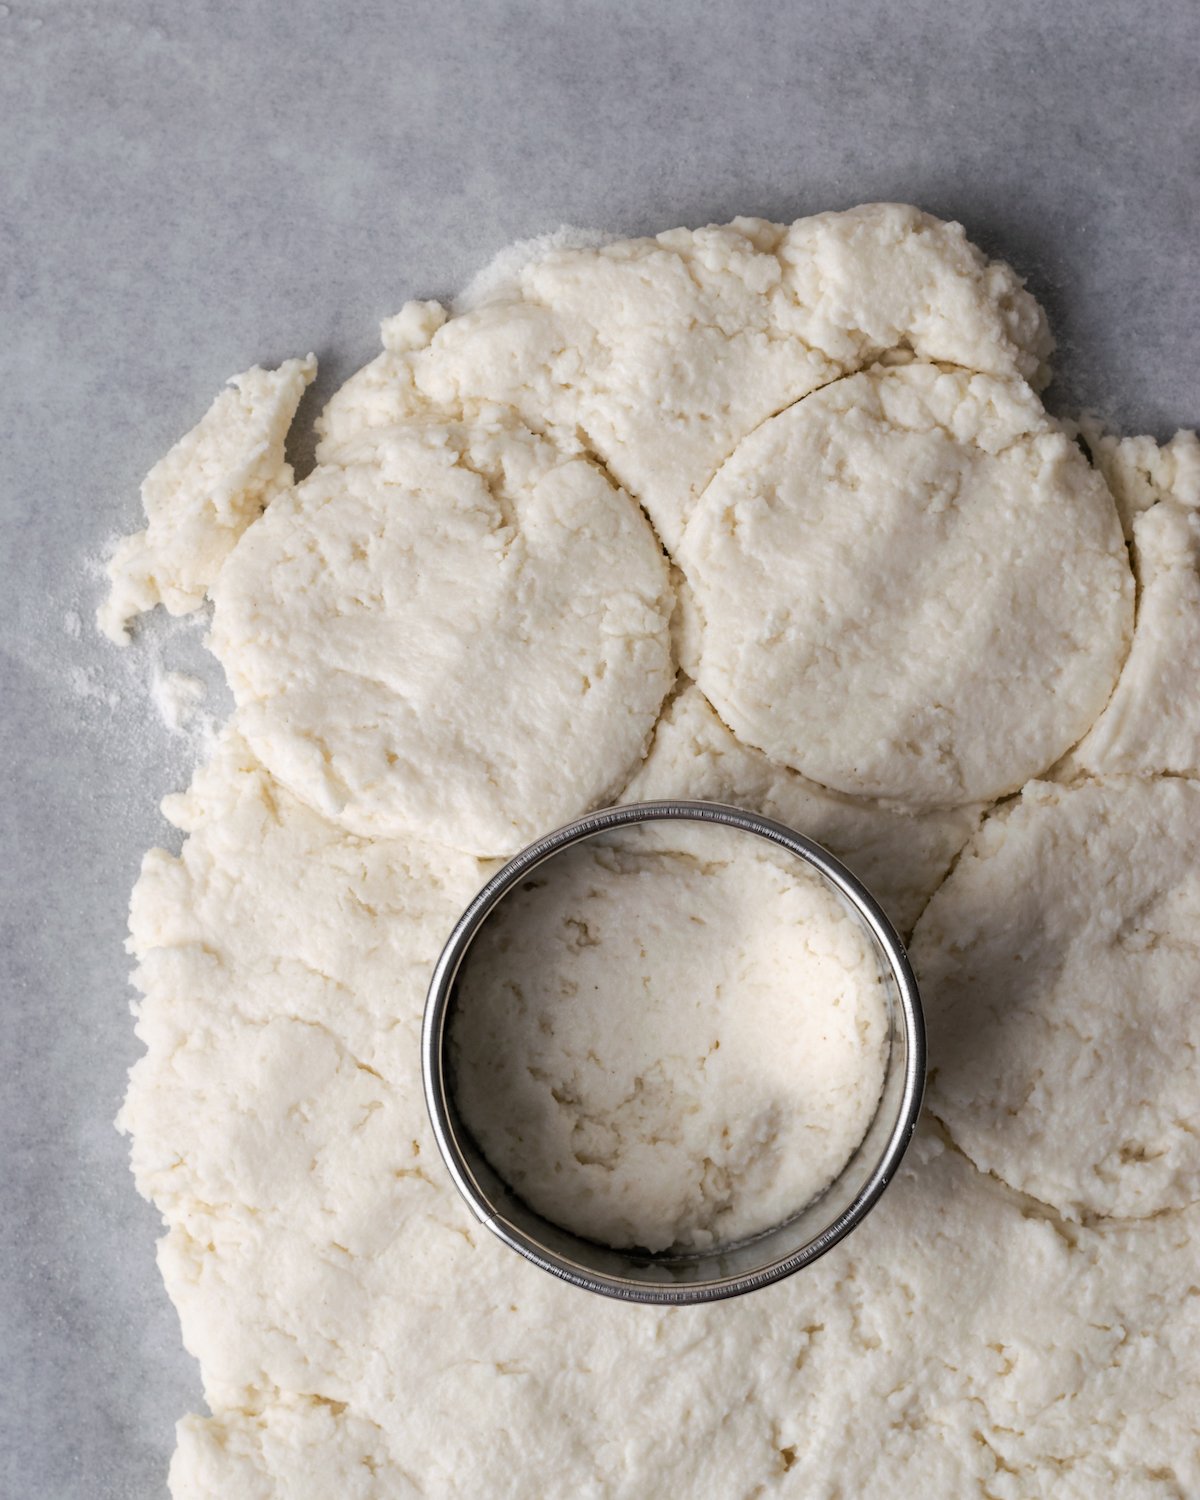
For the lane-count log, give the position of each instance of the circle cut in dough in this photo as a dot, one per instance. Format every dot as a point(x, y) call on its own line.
point(670, 1038)
point(458, 632)
point(1059, 966)
point(910, 585)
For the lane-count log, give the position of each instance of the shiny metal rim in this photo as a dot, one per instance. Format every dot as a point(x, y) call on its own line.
point(447, 1131)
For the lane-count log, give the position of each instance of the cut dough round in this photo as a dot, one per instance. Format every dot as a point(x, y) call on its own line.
point(941, 594)
point(458, 633)
point(1059, 966)
point(671, 1037)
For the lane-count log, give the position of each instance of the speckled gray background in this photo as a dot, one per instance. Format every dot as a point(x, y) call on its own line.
point(189, 188)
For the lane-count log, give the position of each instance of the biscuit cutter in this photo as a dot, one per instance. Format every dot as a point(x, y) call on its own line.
point(674, 1277)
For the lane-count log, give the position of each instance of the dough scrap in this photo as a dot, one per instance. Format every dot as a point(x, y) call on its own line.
point(1152, 721)
point(1140, 473)
point(900, 855)
point(676, 1038)
point(942, 597)
point(200, 498)
point(458, 632)
point(1058, 969)
point(665, 353)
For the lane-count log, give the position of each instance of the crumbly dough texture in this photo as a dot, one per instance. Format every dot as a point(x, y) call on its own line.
point(901, 855)
point(359, 1333)
point(1028, 1330)
point(664, 353)
point(942, 599)
point(1152, 722)
point(458, 631)
point(676, 1040)
point(200, 498)
point(1058, 969)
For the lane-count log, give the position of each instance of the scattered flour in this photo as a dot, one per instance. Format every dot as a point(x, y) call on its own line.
point(178, 699)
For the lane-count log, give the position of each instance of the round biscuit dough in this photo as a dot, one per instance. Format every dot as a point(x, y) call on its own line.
point(670, 1038)
point(457, 632)
point(941, 594)
point(1059, 966)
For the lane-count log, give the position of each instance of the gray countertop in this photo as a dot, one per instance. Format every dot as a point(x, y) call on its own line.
point(189, 189)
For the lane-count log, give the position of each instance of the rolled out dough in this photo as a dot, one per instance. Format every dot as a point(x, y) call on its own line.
point(807, 464)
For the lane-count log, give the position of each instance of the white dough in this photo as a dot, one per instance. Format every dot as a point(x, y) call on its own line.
point(459, 631)
point(907, 586)
point(942, 600)
point(1140, 473)
point(900, 855)
point(665, 353)
point(1152, 722)
point(1058, 965)
point(200, 498)
point(671, 1037)
point(360, 1334)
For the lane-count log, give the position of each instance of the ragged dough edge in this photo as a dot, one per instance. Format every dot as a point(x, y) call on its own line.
point(203, 495)
point(304, 1448)
point(1142, 473)
point(1151, 724)
point(900, 855)
point(501, 275)
point(618, 345)
point(315, 921)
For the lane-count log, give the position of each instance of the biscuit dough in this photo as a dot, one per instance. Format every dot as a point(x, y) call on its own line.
point(942, 597)
point(1152, 722)
point(458, 631)
point(665, 353)
point(900, 855)
point(438, 591)
point(349, 1314)
point(1058, 968)
point(675, 1038)
point(201, 497)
